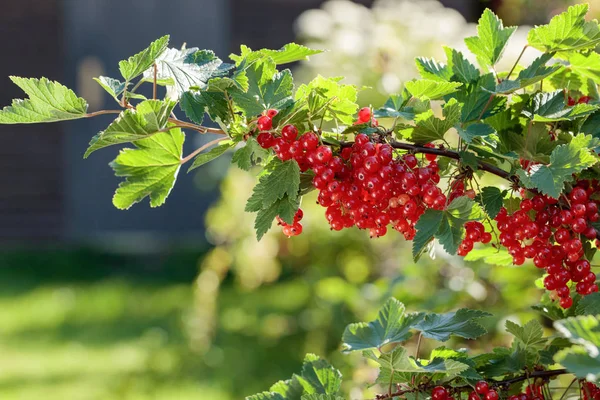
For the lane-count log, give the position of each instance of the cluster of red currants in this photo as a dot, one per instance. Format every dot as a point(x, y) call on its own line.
point(553, 237)
point(482, 392)
point(582, 100)
point(532, 392)
point(474, 232)
point(590, 391)
point(295, 228)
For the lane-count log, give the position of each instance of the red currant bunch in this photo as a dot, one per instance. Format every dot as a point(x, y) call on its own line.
point(295, 228)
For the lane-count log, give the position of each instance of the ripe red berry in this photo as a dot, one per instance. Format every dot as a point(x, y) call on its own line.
point(264, 123)
point(309, 141)
point(439, 393)
point(289, 133)
point(364, 114)
point(482, 387)
point(492, 395)
point(265, 140)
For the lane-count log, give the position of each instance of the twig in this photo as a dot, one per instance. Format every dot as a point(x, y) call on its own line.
point(516, 62)
point(200, 149)
point(102, 112)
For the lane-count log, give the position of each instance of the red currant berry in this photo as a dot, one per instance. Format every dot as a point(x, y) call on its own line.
point(264, 123)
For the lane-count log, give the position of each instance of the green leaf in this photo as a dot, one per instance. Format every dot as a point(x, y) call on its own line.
point(395, 107)
point(479, 101)
point(503, 361)
point(321, 397)
point(150, 169)
point(208, 156)
point(578, 362)
point(531, 335)
point(48, 101)
point(567, 31)
point(461, 210)
point(284, 179)
point(491, 198)
point(397, 366)
point(565, 160)
point(429, 128)
point(266, 396)
point(529, 76)
point(180, 70)
point(149, 118)
point(427, 226)
point(285, 208)
point(431, 69)
point(321, 376)
point(391, 326)
point(490, 255)
point(114, 87)
point(475, 131)
point(137, 64)
point(463, 70)
point(491, 39)
point(459, 323)
point(426, 89)
point(196, 103)
point(291, 52)
point(249, 155)
point(549, 107)
point(589, 305)
point(537, 145)
point(275, 92)
point(584, 359)
point(586, 66)
point(591, 126)
point(328, 99)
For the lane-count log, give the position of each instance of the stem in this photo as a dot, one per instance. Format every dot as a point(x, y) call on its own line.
point(567, 390)
point(154, 82)
point(418, 345)
point(200, 149)
point(517, 62)
point(486, 106)
point(199, 128)
point(102, 112)
point(137, 85)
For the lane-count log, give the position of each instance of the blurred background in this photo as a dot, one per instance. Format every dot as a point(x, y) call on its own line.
point(181, 302)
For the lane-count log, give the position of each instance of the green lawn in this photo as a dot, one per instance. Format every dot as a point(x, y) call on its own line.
point(100, 338)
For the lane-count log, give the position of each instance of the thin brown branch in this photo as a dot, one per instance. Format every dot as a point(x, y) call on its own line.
point(516, 62)
point(201, 149)
point(102, 112)
point(154, 82)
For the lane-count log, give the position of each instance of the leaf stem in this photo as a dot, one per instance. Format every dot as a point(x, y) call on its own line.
point(102, 112)
point(155, 68)
point(200, 149)
point(517, 62)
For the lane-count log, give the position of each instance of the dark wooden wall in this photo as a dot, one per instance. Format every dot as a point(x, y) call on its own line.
point(30, 156)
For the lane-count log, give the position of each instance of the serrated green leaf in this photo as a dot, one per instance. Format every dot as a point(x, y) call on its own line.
point(587, 66)
point(180, 70)
point(275, 92)
point(537, 145)
point(321, 377)
point(491, 198)
point(469, 159)
point(48, 101)
point(583, 359)
point(591, 126)
point(459, 323)
point(391, 326)
point(566, 31)
point(328, 99)
point(530, 335)
point(426, 89)
point(503, 361)
point(565, 160)
point(397, 366)
point(461, 210)
point(285, 208)
point(208, 156)
point(491, 39)
point(291, 52)
point(429, 128)
point(589, 305)
point(150, 169)
point(266, 396)
point(462, 68)
point(196, 103)
point(477, 130)
point(249, 155)
point(395, 107)
point(321, 397)
point(148, 118)
point(137, 64)
point(529, 76)
point(578, 362)
point(490, 255)
point(290, 389)
point(114, 87)
point(431, 69)
point(479, 102)
point(427, 226)
point(283, 180)
point(549, 107)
